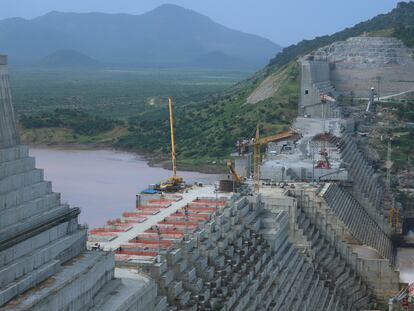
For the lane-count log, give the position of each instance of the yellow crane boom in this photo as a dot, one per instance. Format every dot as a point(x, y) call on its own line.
point(174, 178)
point(273, 138)
point(256, 160)
point(174, 162)
point(233, 172)
point(256, 150)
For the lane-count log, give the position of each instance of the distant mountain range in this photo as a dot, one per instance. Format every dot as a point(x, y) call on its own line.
point(167, 36)
point(268, 98)
point(69, 58)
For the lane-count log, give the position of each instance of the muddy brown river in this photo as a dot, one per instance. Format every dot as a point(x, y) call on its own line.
point(102, 183)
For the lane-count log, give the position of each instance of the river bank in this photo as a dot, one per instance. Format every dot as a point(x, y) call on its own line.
point(102, 182)
point(153, 160)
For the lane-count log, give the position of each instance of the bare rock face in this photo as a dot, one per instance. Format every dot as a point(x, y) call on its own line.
point(360, 63)
point(268, 87)
point(366, 52)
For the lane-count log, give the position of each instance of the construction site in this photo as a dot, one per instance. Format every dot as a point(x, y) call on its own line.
point(310, 224)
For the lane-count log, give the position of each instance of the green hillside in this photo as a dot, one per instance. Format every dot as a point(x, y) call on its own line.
point(207, 130)
point(399, 23)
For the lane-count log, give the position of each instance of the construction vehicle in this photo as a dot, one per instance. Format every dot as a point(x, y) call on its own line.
point(405, 297)
point(236, 177)
point(174, 183)
point(257, 142)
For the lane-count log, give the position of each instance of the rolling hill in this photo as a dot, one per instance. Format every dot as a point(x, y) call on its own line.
point(209, 130)
point(167, 36)
point(69, 59)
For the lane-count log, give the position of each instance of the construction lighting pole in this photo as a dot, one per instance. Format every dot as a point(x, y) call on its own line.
point(313, 162)
point(216, 192)
point(389, 164)
point(378, 78)
point(159, 244)
point(172, 138)
point(186, 221)
point(256, 161)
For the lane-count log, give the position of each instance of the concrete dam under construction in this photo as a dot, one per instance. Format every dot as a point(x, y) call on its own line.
point(314, 234)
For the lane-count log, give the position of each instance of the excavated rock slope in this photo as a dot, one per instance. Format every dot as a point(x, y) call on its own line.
point(360, 63)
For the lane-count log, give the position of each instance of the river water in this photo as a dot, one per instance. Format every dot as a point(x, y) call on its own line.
point(102, 183)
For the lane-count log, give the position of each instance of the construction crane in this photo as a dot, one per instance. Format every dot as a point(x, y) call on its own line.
point(174, 177)
point(257, 142)
point(174, 183)
point(236, 177)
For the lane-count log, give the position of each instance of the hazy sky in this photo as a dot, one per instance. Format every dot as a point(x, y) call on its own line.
point(283, 21)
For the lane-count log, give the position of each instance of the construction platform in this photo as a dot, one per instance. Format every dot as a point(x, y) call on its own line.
point(164, 210)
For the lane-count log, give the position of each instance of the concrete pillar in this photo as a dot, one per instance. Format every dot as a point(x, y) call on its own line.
point(8, 131)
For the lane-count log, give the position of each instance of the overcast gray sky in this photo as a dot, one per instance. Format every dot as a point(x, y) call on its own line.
point(283, 21)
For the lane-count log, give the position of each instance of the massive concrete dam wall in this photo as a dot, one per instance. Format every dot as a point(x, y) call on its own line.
point(8, 132)
point(341, 224)
point(41, 241)
point(334, 244)
point(242, 259)
point(315, 82)
point(360, 63)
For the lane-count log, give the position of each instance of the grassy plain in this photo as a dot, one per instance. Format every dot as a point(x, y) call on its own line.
point(44, 99)
point(114, 93)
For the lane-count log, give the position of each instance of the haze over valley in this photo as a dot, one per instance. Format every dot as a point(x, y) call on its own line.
point(168, 36)
point(168, 157)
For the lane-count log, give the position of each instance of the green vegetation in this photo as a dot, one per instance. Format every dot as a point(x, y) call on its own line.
point(209, 131)
point(403, 110)
point(402, 137)
point(62, 106)
point(115, 93)
point(406, 34)
point(80, 122)
point(210, 111)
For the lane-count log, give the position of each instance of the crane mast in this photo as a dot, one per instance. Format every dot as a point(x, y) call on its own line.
point(173, 159)
point(256, 161)
point(256, 151)
point(174, 183)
